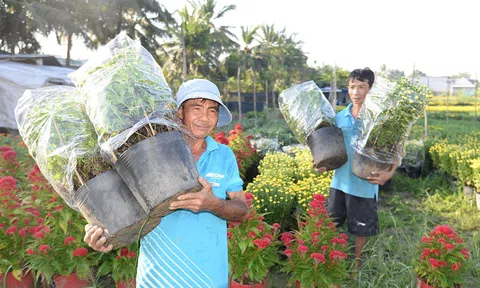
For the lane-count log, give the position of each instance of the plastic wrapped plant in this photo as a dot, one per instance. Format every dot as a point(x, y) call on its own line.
point(312, 120)
point(127, 97)
point(60, 137)
point(385, 120)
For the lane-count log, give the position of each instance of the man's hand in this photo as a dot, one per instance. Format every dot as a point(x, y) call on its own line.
point(204, 200)
point(92, 236)
point(319, 169)
point(380, 177)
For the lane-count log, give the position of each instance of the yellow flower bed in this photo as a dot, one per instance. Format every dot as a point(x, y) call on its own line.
point(286, 184)
point(459, 159)
point(452, 108)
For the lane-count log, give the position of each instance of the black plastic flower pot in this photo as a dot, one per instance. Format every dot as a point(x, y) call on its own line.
point(327, 147)
point(159, 169)
point(106, 201)
point(363, 166)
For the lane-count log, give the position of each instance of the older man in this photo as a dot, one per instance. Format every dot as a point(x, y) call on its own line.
point(189, 246)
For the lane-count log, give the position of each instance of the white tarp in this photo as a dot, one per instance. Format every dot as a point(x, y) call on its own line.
point(15, 78)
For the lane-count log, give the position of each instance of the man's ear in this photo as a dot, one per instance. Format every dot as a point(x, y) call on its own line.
point(180, 113)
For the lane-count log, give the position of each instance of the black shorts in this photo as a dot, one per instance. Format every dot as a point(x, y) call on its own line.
point(360, 213)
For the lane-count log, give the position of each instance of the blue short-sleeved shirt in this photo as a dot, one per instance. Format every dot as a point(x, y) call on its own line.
point(190, 249)
point(344, 179)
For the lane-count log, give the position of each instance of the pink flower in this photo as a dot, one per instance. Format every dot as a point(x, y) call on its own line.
point(30, 251)
point(80, 252)
point(252, 234)
point(69, 240)
point(23, 231)
point(288, 252)
point(276, 226)
point(337, 255)
point(261, 243)
point(124, 252)
point(448, 246)
point(318, 258)
point(302, 249)
point(229, 234)
point(38, 235)
point(456, 266)
point(426, 239)
point(8, 183)
point(10, 156)
point(465, 253)
point(44, 249)
point(443, 229)
point(11, 230)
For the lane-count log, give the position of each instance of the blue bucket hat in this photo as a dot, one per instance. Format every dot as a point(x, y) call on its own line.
point(201, 88)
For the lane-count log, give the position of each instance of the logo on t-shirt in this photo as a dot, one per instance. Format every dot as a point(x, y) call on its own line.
point(215, 175)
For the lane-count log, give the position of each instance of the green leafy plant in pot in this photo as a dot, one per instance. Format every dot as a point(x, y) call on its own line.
point(312, 120)
point(384, 123)
point(62, 140)
point(133, 112)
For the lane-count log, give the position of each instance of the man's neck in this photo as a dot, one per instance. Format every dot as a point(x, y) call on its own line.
point(355, 110)
point(197, 146)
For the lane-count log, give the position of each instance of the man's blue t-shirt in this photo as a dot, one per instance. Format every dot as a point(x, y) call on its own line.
point(344, 179)
point(190, 249)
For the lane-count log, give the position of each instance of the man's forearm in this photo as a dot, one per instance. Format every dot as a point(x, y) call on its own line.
point(231, 210)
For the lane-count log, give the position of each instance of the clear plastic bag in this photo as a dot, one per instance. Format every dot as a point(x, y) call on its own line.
point(60, 137)
point(125, 90)
point(414, 153)
point(305, 109)
point(386, 117)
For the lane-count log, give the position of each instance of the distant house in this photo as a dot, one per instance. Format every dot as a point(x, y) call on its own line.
point(448, 85)
point(21, 72)
point(342, 95)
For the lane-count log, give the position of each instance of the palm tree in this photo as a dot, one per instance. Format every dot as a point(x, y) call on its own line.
point(248, 59)
point(204, 42)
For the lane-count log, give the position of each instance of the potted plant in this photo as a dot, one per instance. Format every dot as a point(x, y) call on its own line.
point(442, 259)
point(252, 249)
point(316, 251)
point(384, 123)
point(133, 112)
point(312, 120)
point(62, 140)
point(56, 251)
point(414, 157)
point(14, 225)
point(121, 265)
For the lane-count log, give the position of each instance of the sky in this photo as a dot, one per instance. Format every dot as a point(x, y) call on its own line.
point(440, 37)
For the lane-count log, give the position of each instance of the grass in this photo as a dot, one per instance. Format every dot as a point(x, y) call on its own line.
point(407, 211)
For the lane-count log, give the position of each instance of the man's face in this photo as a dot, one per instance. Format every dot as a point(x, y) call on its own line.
point(358, 90)
point(200, 116)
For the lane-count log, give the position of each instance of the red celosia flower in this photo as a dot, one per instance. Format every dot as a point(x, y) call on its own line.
point(8, 183)
point(268, 236)
point(252, 234)
point(23, 231)
point(59, 207)
point(38, 235)
point(456, 266)
point(124, 252)
point(80, 252)
point(260, 228)
point(443, 229)
point(465, 253)
point(260, 218)
point(131, 254)
point(11, 230)
point(286, 238)
point(302, 249)
point(238, 127)
point(44, 248)
point(261, 243)
point(288, 252)
point(318, 258)
point(319, 197)
point(337, 255)
point(426, 239)
point(249, 198)
point(229, 234)
point(276, 226)
point(436, 252)
point(459, 240)
point(3, 149)
point(30, 251)
point(324, 248)
point(10, 156)
point(69, 240)
point(448, 246)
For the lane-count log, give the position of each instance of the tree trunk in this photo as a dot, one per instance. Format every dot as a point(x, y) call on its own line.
point(69, 47)
point(239, 98)
point(184, 57)
point(273, 95)
point(120, 19)
point(266, 94)
point(255, 96)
